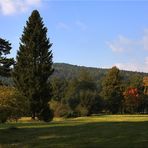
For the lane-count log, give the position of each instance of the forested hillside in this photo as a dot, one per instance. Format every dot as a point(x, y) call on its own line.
point(68, 71)
point(85, 90)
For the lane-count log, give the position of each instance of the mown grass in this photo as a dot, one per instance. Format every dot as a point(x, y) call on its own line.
point(104, 131)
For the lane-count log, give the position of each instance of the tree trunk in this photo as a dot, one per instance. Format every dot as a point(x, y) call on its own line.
point(33, 116)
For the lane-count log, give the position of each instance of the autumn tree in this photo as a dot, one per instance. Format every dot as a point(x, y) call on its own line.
point(12, 104)
point(34, 67)
point(131, 100)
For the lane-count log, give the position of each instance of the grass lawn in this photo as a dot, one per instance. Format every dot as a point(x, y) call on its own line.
point(104, 131)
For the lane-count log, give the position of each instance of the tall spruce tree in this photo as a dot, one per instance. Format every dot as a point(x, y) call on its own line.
point(5, 63)
point(34, 67)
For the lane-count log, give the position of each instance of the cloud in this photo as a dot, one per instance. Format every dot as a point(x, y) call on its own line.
point(81, 25)
point(144, 41)
point(128, 66)
point(63, 26)
point(146, 61)
point(134, 66)
point(75, 25)
point(10, 7)
point(33, 2)
point(121, 44)
point(133, 49)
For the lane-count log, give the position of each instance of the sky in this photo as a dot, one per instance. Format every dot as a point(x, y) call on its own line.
point(92, 33)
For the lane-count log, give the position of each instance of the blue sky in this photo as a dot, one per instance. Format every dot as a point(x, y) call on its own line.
point(92, 33)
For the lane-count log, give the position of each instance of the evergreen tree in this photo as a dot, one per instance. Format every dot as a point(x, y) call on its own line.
point(111, 90)
point(34, 66)
point(5, 63)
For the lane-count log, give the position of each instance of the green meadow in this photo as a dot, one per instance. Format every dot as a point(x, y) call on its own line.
point(102, 131)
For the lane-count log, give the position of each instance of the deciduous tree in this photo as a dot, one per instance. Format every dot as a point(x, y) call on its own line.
point(111, 90)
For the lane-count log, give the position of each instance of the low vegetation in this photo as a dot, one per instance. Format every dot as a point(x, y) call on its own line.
point(103, 131)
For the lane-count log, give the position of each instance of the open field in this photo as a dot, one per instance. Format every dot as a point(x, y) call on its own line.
point(104, 131)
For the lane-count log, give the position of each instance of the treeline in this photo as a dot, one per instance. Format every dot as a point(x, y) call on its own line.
point(68, 72)
point(82, 94)
point(113, 92)
point(82, 91)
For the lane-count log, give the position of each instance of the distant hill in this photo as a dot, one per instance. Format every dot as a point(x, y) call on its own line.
point(68, 71)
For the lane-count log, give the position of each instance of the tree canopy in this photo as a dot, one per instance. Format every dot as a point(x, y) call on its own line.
point(5, 63)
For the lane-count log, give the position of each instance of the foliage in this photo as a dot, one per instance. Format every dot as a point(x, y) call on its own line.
point(131, 100)
point(136, 81)
point(82, 96)
point(59, 87)
point(68, 72)
point(34, 65)
point(59, 109)
point(12, 104)
point(143, 106)
point(71, 96)
point(135, 101)
point(88, 100)
point(112, 90)
point(5, 63)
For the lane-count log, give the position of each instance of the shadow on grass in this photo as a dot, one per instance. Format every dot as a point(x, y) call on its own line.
point(87, 135)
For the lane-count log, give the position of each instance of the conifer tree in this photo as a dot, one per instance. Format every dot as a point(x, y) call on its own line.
point(5, 63)
point(34, 67)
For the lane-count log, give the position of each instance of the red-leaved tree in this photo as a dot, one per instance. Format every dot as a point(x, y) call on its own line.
point(131, 100)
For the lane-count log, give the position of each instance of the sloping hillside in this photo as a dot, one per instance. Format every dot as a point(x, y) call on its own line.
point(68, 71)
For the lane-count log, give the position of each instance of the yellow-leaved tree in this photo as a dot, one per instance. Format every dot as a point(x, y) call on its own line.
point(12, 104)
